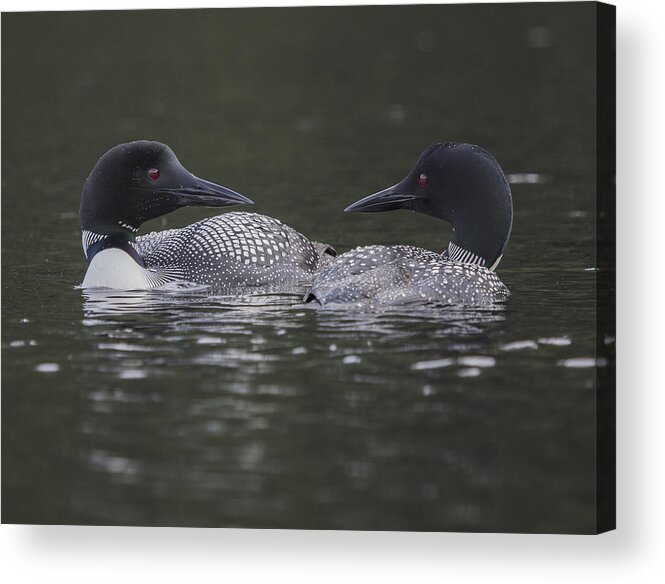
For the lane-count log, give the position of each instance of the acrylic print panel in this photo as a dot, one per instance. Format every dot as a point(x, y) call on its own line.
point(196, 406)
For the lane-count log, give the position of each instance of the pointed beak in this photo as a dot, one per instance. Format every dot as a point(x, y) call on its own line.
point(203, 193)
point(386, 200)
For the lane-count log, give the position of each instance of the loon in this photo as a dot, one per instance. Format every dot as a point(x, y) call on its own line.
point(233, 253)
point(459, 183)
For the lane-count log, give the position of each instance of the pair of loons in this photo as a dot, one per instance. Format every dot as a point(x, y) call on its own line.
point(244, 253)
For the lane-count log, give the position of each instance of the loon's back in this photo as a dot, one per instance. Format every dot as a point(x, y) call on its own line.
point(236, 252)
point(380, 274)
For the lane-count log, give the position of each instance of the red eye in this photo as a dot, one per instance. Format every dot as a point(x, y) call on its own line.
point(153, 173)
point(422, 180)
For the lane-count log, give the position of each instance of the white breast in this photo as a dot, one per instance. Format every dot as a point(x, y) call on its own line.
point(114, 268)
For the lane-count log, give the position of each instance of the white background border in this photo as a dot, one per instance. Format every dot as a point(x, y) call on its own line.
point(636, 550)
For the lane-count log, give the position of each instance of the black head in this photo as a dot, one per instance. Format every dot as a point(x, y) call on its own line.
point(138, 181)
point(460, 183)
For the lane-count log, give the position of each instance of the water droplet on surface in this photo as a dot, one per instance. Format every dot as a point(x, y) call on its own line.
point(48, 368)
point(433, 364)
point(556, 341)
point(529, 178)
point(133, 374)
point(209, 341)
point(582, 362)
point(470, 372)
point(519, 346)
point(477, 361)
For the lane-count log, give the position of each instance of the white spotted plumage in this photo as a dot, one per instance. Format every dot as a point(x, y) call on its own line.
point(400, 273)
point(235, 253)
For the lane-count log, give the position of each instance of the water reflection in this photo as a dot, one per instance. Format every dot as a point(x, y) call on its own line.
point(199, 311)
point(140, 335)
point(237, 424)
point(100, 302)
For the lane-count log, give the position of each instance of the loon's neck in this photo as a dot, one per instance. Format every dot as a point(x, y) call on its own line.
point(93, 243)
point(481, 232)
point(114, 262)
point(456, 253)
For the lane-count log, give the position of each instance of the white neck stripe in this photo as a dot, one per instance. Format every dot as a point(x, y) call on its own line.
point(464, 256)
point(89, 238)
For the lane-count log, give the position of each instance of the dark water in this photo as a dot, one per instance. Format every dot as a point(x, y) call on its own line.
point(183, 409)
